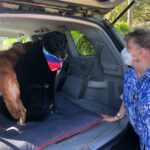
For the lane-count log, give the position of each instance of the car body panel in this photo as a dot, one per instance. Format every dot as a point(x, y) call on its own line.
point(69, 7)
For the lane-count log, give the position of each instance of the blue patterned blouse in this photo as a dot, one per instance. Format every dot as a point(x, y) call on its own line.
point(136, 99)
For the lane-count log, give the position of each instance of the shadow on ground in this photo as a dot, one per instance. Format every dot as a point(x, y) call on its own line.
point(129, 142)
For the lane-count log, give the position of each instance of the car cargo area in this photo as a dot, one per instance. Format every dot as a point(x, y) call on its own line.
point(72, 127)
point(89, 85)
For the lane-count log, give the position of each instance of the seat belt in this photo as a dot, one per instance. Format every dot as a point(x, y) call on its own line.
point(63, 75)
point(90, 70)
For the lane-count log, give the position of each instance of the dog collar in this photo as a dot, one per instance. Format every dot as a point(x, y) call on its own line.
point(52, 61)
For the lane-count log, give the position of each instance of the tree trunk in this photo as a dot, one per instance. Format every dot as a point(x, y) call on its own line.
point(129, 18)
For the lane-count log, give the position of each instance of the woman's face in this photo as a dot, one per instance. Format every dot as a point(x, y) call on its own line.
point(136, 52)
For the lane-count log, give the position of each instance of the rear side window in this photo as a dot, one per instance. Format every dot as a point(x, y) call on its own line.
point(37, 37)
point(83, 45)
point(7, 42)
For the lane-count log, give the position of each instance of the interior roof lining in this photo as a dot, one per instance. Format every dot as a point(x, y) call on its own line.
point(51, 22)
point(31, 22)
point(45, 18)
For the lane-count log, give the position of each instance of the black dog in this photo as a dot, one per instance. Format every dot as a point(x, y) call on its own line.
point(35, 77)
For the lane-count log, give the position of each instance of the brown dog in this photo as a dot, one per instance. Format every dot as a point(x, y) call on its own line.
point(9, 87)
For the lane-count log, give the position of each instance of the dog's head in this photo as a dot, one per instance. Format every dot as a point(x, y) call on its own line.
point(55, 43)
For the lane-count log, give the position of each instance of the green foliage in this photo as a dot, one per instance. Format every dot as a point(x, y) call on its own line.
point(112, 15)
point(7, 42)
point(140, 12)
point(123, 28)
point(83, 44)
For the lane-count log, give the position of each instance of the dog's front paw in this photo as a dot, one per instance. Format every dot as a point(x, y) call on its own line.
point(22, 118)
point(21, 121)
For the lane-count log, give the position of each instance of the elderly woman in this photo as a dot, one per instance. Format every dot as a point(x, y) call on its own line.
point(136, 97)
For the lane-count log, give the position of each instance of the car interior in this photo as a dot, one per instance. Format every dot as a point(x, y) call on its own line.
point(91, 78)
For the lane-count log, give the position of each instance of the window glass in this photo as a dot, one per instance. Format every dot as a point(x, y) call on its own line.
point(6, 42)
point(37, 37)
point(83, 44)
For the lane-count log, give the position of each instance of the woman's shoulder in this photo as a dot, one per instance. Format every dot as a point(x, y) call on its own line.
point(129, 75)
point(129, 71)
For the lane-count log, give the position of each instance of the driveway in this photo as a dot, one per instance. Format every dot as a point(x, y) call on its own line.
point(129, 142)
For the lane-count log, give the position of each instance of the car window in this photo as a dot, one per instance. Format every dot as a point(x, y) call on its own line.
point(37, 37)
point(7, 42)
point(83, 44)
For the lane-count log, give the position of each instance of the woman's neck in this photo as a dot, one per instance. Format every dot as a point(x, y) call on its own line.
point(140, 71)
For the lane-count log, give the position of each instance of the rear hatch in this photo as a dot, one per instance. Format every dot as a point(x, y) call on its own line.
point(63, 7)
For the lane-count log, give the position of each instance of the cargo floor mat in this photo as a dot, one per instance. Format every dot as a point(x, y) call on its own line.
point(69, 120)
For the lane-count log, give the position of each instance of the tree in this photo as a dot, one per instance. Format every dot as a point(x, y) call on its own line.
point(140, 12)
